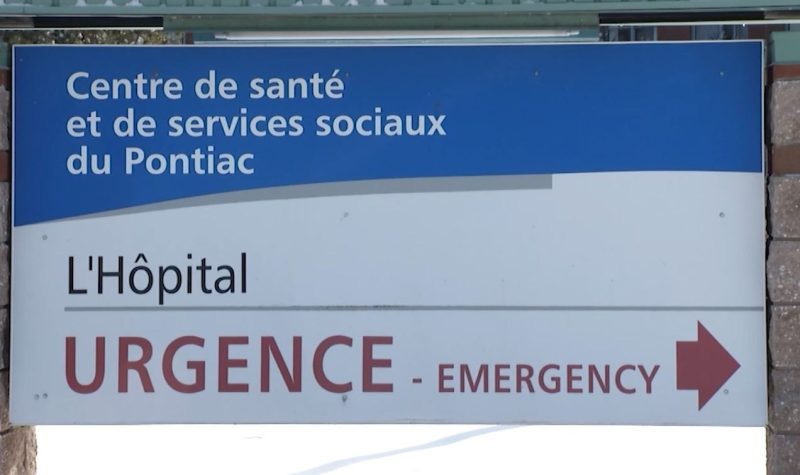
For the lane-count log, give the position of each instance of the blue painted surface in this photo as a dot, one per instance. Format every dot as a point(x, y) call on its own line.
point(523, 109)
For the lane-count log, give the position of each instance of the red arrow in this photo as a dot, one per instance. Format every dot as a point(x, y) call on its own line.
point(703, 365)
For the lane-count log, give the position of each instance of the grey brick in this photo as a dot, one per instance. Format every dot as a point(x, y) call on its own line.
point(784, 197)
point(5, 107)
point(5, 339)
point(784, 414)
point(5, 212)
point(784, 337)
point(783, 454)
point(18, 452)
point(785, 112)
point(5, 276)
point(4, 377)
point(783, 272)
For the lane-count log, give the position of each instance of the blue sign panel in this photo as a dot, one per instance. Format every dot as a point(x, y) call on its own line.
point(117, 127)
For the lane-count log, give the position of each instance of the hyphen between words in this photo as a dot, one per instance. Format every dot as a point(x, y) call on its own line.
point(205, 159)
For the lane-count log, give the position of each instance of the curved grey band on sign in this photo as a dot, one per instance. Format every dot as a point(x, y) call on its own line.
point(346, 188)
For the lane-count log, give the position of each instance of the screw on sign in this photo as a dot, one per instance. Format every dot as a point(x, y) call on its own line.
point(703, 365)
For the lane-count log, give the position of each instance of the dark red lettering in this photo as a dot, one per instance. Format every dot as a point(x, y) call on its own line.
point(618, 378)
point(126, 365)
point(293, 379)
point(482, 378)
point(99, 366)
point(555, 379)
point(524, 374)
point(445, 377)
point(368, 363)
point(603, 381)
point(226, 363)
point(499, 377)
point(648, 378)
point(198, 367)
point(573, 378)
point(319, 368)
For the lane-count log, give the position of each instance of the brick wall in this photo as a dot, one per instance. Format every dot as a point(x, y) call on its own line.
point(17, 444)
point(783, 270)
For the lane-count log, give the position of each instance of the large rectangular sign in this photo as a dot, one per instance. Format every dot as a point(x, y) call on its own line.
point(460, 234)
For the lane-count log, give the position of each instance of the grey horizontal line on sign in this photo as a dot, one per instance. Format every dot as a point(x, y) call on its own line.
point(407, 308)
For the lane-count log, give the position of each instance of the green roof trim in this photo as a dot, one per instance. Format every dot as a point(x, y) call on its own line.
point(374, 22)
point(784, 47)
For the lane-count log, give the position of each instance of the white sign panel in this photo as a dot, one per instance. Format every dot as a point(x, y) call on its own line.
point(474, 234)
